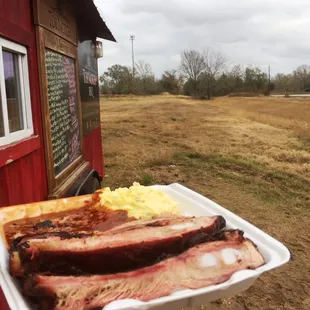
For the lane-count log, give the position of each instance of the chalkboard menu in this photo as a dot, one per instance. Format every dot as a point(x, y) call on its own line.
point(63, 108)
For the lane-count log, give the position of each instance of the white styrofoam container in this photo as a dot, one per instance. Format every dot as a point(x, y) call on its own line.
point(190, 203)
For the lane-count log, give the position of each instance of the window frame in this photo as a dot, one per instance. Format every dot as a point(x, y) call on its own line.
point(27, 131)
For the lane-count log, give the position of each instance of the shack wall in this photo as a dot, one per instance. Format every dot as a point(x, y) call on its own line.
point(22, 166)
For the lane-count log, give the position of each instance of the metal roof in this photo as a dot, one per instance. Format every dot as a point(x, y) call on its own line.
point(91, 22)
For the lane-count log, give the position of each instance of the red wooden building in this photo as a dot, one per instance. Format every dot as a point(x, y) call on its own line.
point(50, 135)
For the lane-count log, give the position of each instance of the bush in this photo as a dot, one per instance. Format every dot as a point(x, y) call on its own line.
point(243, 94)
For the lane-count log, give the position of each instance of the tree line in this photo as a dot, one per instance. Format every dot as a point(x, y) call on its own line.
point(201, 74)
point(120, 79)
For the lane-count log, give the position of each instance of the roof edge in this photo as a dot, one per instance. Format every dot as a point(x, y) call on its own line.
point(90, 20)
point(105, 32)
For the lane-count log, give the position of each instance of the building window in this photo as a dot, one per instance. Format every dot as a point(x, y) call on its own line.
point(15, 105)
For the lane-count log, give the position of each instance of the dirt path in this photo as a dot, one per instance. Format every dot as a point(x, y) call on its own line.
point(259, 170)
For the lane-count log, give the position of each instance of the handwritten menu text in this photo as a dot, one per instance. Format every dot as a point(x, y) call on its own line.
point(63, 107)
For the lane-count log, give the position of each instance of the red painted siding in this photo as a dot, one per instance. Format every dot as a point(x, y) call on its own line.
point(1, 9)
point(9, 9)
point(3, 188)
point(24, 180)
point(93, 150)
point(24, 10)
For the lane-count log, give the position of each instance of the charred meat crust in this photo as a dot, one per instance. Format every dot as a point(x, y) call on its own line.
point(220, 223)
point(236, 235)
point(199, 238)
point(44, 224)
point(22, 240)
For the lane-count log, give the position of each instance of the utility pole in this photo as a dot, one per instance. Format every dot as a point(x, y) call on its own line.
point(132, 38)
point(268, 86)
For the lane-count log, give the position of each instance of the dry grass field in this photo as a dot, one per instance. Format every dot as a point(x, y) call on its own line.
point(251, 155)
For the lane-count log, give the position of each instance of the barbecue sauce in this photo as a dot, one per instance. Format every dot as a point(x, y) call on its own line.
point(87, 219)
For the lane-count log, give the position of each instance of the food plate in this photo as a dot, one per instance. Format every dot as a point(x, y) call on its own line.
point(190, 203)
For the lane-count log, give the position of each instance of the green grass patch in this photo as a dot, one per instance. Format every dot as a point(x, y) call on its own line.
point(147, 180)
point(184, 155)
point(267, 184)
point(110, 154)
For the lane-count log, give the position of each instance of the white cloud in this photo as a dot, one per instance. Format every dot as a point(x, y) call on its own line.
point(261, 32)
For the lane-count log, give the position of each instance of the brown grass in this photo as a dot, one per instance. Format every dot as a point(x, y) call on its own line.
point(252, 155)
point(291, 114)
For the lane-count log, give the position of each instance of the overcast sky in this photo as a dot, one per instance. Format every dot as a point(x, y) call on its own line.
point(257, 32)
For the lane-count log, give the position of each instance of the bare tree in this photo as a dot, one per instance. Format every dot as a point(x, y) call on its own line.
point(192, 64)
point(143, 69)
point(145, 79)
point(215, 64)
point(302, 73)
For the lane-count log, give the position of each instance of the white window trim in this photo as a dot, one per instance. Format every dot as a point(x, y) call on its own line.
point(25, 94)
